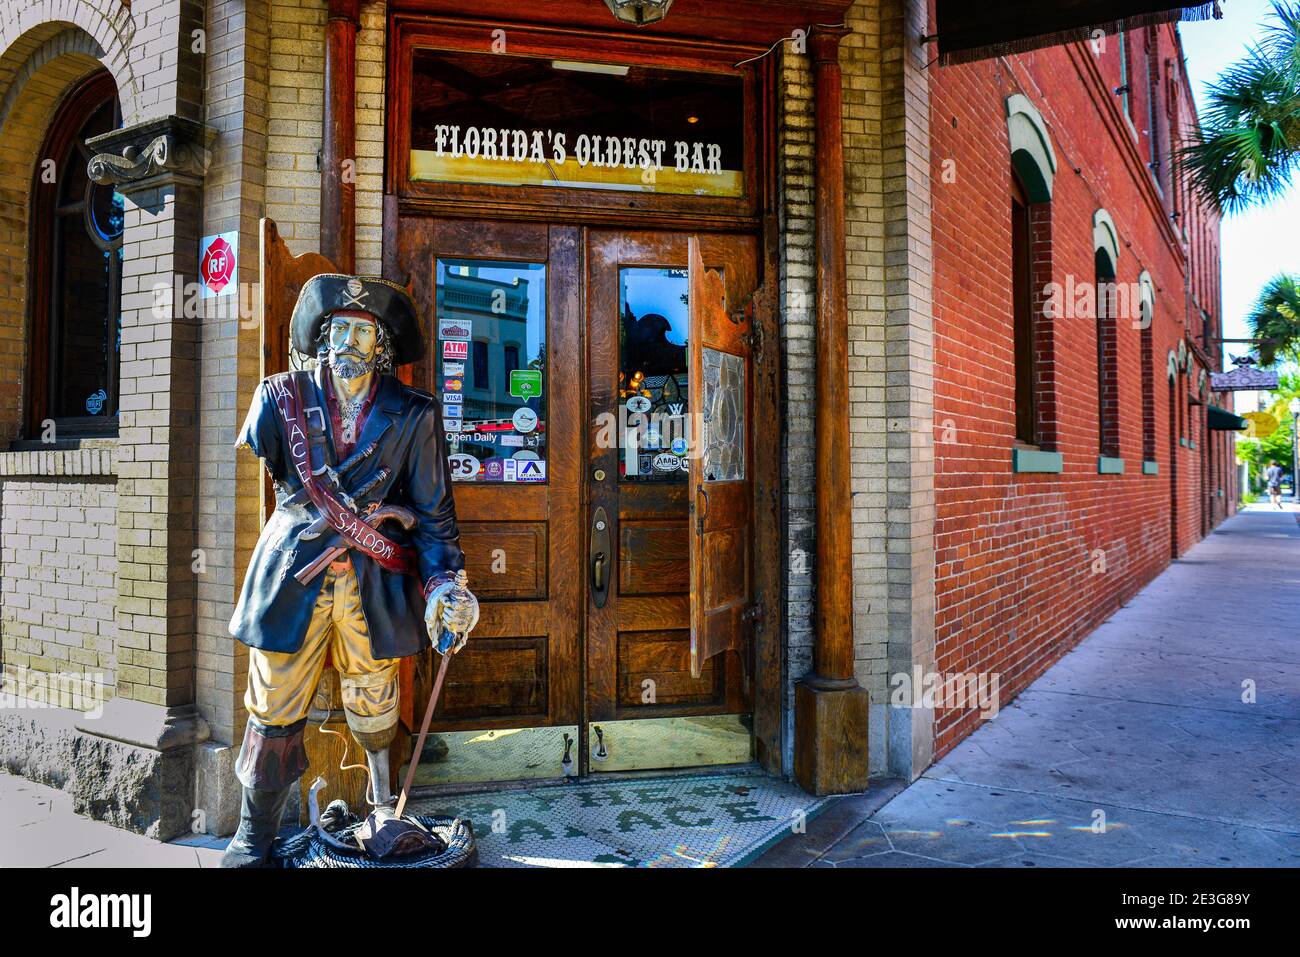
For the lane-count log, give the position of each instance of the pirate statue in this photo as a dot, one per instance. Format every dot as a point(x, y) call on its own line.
point(359, 561)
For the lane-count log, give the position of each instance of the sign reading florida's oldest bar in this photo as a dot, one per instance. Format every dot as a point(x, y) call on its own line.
point(524, 121)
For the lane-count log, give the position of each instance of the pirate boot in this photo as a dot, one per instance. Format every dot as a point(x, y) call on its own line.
point(259, 822)
point(271, 760)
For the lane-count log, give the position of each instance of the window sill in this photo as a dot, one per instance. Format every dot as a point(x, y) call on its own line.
point(1024, 460)
point(1150, 468)
point(1106, 465)
point(69, 458)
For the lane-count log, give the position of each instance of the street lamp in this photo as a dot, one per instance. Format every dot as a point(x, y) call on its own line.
point(639, 12)
point(1295, 449)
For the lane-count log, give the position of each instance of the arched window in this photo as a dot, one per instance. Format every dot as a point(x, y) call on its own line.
point(76, 276)
point(1033, 166)
point(1106, 260)
point(1147, 305)
point(1023, 314)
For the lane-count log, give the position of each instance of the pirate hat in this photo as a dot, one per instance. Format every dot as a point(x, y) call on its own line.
point(388, 302)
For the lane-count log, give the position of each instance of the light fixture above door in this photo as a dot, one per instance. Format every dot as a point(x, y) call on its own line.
point(639, 12)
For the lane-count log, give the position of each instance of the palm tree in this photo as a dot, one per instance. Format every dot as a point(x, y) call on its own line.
point(1249, 140)
point(1275, 320)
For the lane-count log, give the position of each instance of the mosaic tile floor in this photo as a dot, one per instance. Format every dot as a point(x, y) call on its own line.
point(691, 821)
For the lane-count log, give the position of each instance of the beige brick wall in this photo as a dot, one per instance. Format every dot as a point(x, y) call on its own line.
point(295, 129)
point(371, 117)
point(795, 163)
point(296, 83)
point(234, 197)
point(887, 252)
point(887, 210)
point(58, 566)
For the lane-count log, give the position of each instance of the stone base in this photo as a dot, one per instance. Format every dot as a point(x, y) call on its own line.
point(831, 745)
point(39, 744)
point(134, 788)
point(911, 740)
point(216, 792)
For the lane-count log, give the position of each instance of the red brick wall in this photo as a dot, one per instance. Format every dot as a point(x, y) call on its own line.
point(1018, 579)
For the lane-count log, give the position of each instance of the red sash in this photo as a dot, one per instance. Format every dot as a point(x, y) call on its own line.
point(285, 389)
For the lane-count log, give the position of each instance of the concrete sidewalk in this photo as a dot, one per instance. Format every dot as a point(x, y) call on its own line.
point(1141, 728)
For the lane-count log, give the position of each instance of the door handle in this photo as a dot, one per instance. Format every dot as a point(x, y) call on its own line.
point(599, 548)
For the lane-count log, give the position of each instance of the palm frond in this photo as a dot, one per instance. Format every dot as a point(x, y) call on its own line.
point(1246, 150)
point(1275, 316)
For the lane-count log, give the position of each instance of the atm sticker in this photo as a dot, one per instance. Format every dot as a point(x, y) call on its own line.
point(455, 349)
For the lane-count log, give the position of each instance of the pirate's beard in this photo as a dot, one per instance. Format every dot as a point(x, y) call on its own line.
point(351, 367)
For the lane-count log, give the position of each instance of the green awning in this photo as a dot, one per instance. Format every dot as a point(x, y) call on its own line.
point(1223, 420)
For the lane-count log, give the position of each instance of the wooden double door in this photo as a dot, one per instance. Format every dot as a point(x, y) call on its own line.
point(597, 394)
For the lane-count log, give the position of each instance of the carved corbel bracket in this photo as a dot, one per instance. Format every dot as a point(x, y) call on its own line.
point(160, 152)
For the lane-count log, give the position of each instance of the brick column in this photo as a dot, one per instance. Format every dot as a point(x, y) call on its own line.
point(157, 165)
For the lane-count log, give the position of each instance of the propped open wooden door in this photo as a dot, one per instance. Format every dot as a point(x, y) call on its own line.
point(721, 485)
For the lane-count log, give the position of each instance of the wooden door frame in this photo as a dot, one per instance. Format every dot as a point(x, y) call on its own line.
point(419, 236)
point(406, 217)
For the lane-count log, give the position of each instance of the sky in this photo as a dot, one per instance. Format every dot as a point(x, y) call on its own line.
point(1260, 242)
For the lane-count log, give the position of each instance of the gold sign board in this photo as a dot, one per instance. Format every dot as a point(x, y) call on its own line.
point(525, 121)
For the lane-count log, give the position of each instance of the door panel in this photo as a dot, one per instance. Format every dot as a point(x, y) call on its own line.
point(502, 298)
point(642, 368)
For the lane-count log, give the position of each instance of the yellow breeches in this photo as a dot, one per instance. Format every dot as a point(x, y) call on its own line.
point(281, 686)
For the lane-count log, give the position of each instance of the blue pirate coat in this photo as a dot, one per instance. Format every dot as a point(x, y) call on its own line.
point(405, 436)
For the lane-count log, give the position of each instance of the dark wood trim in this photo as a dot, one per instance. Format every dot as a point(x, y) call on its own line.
point(833, 651)
point(550, 203)
point(770, 576)
point(338, 207)
point(749, 21)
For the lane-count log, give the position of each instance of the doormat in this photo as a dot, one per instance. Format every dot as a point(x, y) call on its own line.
point(693, 821)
